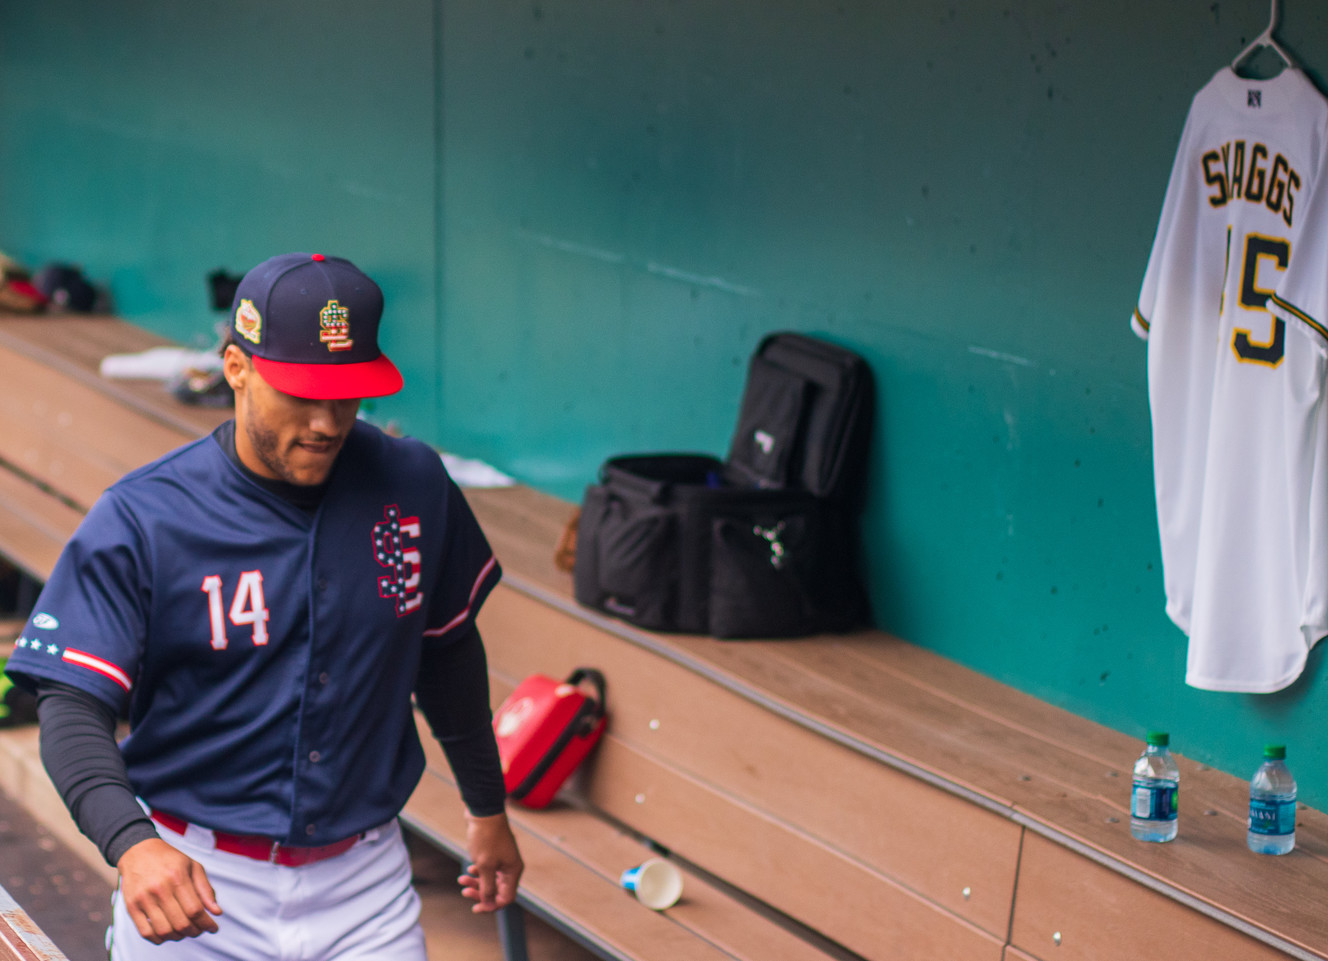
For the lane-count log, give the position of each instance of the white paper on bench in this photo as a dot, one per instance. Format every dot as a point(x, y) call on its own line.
point(159, 363)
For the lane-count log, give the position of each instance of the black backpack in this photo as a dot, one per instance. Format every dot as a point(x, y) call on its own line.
point(762, 544)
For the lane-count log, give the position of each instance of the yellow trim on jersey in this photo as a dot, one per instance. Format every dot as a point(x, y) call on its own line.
point(1300, 315)
point(1140, 319)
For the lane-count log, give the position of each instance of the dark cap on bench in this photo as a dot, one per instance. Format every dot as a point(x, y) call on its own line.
point(311, 325)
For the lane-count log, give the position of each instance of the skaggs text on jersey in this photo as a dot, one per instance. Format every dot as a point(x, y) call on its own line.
point(1272, 184)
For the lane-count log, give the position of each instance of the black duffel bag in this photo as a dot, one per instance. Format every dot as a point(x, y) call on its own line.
point(663, 543)
point(760, 545)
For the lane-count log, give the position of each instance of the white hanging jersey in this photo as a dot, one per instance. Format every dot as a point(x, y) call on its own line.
point(1301, 300)
point(1237, 450)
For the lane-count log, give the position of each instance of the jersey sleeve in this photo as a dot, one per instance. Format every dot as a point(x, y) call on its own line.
point(1142, 318)
point(1301, 298)
point(88, 626)
point(468, 569)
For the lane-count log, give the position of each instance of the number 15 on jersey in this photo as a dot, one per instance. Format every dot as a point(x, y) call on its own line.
point(1259, 249)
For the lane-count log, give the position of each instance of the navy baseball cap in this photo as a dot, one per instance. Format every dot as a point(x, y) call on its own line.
point(311, 325)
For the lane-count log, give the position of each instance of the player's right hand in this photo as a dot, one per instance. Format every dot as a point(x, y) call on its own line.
point(167, 893)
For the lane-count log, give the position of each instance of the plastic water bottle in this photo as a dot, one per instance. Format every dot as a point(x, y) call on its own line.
point(1153, 810)
point(1272, 826)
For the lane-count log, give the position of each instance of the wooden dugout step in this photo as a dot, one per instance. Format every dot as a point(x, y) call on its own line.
point(1269, 899)
point(74, 345)
point(34, 525)
point(573, 861)
point(782, 792)
point(71, 433)
point(70, 436)
point(77, 340)
point(974, 738)
point(1014, 954)
point(1072, 910)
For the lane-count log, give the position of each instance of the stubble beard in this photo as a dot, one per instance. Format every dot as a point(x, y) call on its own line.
point(266, 446)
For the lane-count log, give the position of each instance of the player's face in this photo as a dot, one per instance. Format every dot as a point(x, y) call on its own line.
point(284, 437)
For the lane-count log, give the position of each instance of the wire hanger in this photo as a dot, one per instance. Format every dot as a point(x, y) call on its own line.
point(1266, 39)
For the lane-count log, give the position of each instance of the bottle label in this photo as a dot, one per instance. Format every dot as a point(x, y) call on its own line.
point(1272, 817)
point(1155, 803)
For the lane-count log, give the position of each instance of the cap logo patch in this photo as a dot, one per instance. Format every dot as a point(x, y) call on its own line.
point(335, 321)
point(248, 321)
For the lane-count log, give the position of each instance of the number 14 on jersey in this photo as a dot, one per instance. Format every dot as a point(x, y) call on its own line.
point(247, 607)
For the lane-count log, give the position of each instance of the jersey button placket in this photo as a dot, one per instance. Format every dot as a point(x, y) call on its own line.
point(315, 757)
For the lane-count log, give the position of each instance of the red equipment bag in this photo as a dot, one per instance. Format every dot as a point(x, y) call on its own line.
point(545, 728)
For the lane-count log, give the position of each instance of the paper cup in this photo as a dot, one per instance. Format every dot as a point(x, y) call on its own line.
point(656, 883)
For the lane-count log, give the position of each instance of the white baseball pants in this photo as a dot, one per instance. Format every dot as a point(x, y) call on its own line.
point(354, 907)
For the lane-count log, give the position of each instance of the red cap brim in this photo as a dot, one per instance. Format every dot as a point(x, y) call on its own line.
point(374, 378)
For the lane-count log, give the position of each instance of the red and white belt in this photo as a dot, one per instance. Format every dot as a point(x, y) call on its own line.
point(262, 848)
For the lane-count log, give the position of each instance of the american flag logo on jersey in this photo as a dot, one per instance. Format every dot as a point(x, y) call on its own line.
point(335, 321)
point(394, 547)
point(79, 658)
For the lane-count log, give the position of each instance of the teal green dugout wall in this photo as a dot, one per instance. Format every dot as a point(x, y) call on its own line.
point(585, 215)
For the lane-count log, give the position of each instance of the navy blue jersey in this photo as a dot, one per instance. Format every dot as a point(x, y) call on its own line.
point(267, 657)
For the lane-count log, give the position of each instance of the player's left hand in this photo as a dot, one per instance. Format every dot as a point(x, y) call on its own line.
point(495, 870)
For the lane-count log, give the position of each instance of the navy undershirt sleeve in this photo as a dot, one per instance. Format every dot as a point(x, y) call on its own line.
point(79, 752)
point(453, 693)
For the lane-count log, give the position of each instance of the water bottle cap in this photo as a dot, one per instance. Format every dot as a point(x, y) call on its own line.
point(1158, 738)
point(1275, 752)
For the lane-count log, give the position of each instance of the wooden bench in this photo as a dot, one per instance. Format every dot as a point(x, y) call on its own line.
point(882, 797)
point(69, 434)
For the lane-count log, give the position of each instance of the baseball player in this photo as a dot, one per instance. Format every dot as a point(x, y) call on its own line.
point(1235, 462)
point(263, 602)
